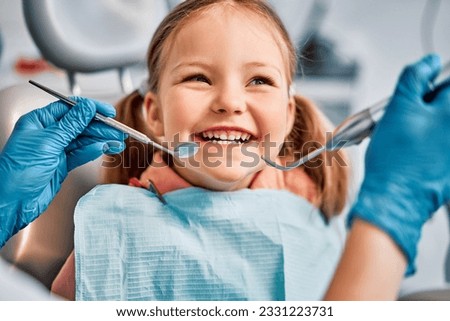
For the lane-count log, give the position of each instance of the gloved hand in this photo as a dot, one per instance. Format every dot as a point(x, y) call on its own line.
point(44, 146)
point(407, 164)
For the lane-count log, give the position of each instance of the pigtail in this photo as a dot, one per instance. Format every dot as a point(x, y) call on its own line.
point(328, 171)
point(137, 156)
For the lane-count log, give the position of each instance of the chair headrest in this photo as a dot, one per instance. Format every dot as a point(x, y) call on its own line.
point(90, 36)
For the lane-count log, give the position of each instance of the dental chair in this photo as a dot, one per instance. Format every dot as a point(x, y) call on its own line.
point(83, 38)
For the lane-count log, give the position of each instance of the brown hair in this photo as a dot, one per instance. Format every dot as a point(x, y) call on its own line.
point(309, 128)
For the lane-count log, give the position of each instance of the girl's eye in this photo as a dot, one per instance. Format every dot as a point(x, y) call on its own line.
point(200, 78)
point(261, 81)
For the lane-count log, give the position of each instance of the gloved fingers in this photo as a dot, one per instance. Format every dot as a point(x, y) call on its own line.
point(82, 141)
point(102, 131)
point(55, 111)
point(95, 132)
point(88, 152)
point(415, 79)
point(43, 117)
point(442, 95)
point(75, 121)
point(79, 117)
point(100, 107)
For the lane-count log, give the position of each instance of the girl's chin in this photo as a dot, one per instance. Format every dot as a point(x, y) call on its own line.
point(223, 178)
point(228, 156)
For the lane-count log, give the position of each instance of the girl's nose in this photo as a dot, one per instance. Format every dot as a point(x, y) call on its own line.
point(229, 100)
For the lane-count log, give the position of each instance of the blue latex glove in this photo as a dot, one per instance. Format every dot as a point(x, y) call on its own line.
point(45, 145)
point(407, 164)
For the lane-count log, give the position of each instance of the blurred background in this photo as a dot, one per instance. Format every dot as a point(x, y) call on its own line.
point(351, 55)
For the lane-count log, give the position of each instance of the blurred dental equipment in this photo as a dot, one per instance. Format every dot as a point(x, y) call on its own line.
point(354, 129)
point(182, 150)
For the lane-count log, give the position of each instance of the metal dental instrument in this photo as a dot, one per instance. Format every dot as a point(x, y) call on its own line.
point(183, 150)
point(354, 129)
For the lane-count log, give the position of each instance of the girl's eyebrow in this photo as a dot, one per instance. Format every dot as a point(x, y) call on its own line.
point(191, 64)
point(207, 66)
point(263, 64)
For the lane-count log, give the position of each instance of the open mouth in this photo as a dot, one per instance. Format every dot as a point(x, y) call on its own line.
point(225, 137)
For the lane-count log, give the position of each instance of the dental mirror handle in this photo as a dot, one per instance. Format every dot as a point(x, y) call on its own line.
point(188, 149)
point(130, 131)
point(354, 129)
point(359, 126)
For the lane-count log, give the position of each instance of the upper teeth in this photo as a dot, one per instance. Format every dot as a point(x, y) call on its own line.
point(221, 135)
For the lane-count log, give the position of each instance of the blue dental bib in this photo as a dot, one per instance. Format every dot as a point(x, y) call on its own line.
point(202, 245)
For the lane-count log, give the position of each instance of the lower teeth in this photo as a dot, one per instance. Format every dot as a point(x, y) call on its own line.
point(225, 142)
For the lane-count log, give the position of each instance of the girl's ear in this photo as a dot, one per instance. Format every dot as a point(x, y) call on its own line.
point(153, 115)
point(290, 115)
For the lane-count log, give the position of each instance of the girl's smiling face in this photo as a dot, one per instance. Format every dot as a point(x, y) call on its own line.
point(224, 84)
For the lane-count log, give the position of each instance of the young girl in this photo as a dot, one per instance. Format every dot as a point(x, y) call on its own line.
point(224, 225)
